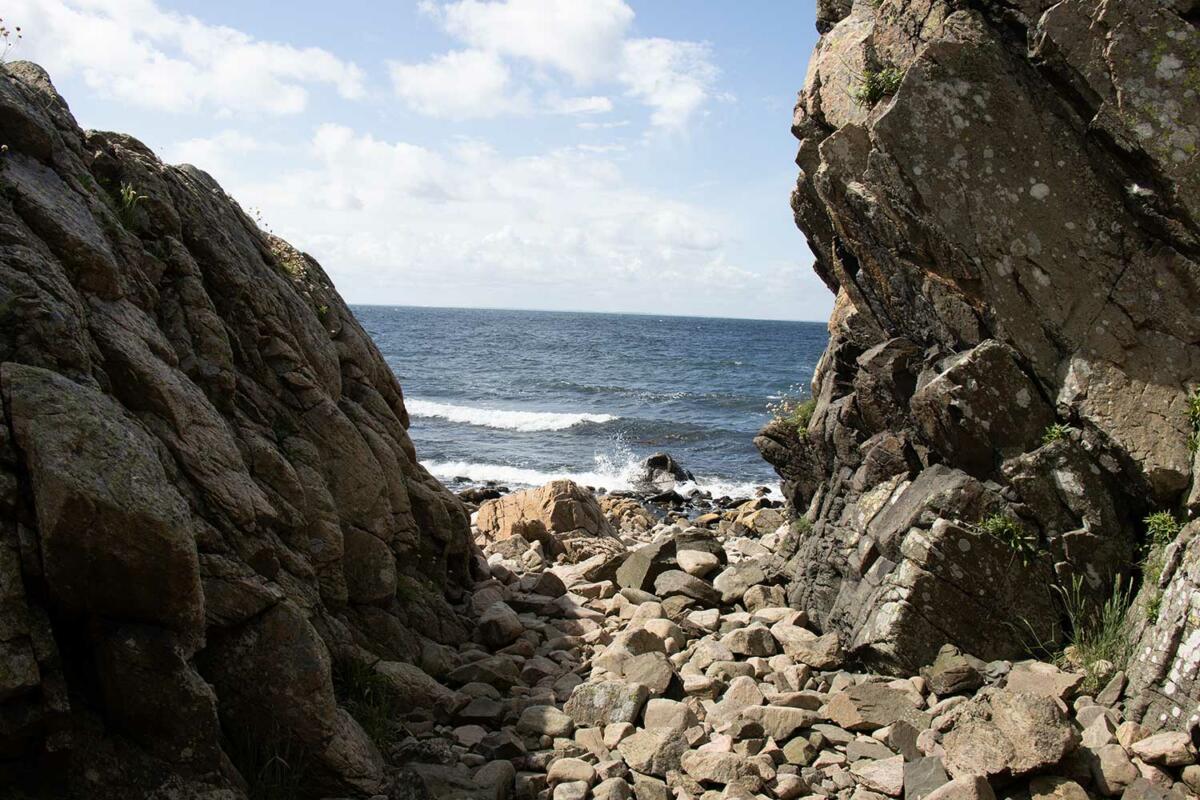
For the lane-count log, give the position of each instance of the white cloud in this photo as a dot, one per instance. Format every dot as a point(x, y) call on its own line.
point(672, 77)
point(395, 222)
point(135, 52)
point(579, 105)
point(215, 152)
point(587, 43)
point(460, 84)
point(581, 39)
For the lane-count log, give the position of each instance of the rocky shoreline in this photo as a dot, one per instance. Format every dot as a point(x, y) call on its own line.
point(615, 656)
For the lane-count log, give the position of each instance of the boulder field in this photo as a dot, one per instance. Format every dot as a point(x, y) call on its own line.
point(663, 663)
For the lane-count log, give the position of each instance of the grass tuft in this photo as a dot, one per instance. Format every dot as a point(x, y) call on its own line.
point(794, 410)
point(876, 85)
point(1099, 633)
point(1054, 433)
point(127, 203)
point(1013, 535)
point(275, 768)
point(369, 698)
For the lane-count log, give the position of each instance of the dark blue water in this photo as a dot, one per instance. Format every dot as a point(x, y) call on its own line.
point(522, 397)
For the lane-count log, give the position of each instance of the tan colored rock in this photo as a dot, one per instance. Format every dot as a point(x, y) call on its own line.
point(1002, 734)
point(544, 514)
point(1168, 749)
point(869, 706)
point(885, 776)
point(1038, 677)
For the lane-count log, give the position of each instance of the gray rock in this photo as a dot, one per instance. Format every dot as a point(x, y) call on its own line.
point(923, 776)
point(603, 703)
point(1002, 734)
point(678, 582)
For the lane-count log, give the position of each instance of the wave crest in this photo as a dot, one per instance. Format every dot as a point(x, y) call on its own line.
point(503, 419)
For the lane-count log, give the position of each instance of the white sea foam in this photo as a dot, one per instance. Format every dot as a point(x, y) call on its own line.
point(608, 474)
point(503, 419)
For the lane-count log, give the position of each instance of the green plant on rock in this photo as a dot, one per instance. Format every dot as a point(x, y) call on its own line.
point(1161, 530)
point(368, 697)
point(876, 85)
point(1013, 535)
point(1099, 632)
point(127, 202)
point(794, 410)
point(1054, 433)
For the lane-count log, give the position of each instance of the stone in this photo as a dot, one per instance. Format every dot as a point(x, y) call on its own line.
point(651, 670)
point(678, 582)
point(574, 790)
point(868, 706)
point(698, 563)
point(971, 787)
point(544, 515)
point(1037, 677)
point(672, 714)
point(780, 722)
point(653, 751)
point(1168, 749)
point(733, 582)
point(641, 567)
point(612, 789)
point(805, 647)
point(760, 597)
point(605, 702)
point(497, 671)
point(953, 672)
point(724, 768)
point(885, 777)
point(1112, 770)
point(571, 770)
point(754, 640)
point(499, 626)
point(1053, 788)
point(497, 777)
point(923, 776)
point(545, 721)
point(1002, 734)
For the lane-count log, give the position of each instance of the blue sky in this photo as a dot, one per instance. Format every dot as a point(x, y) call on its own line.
point(606, 155)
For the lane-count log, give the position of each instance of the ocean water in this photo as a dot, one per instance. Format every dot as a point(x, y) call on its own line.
point(522, 397)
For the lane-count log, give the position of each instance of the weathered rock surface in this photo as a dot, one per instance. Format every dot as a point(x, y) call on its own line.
point(1011, 230)
point(552, 514)
point(209, 502)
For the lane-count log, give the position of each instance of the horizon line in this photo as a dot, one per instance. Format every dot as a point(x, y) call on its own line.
point(582, 311)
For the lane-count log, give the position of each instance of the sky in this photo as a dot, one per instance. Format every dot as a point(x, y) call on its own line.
point(594, 155)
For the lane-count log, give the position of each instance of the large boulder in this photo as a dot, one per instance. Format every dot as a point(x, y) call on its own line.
point(1002, 735)
point(545, 514)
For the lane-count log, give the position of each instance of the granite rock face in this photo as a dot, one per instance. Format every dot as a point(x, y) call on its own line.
point(208, 497)
point(1010, 220)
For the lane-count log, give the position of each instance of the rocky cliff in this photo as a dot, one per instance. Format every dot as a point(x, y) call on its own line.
point(1005, 197)
point(208, 499)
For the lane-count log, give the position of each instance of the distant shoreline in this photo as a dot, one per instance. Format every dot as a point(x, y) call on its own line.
point(820, 323)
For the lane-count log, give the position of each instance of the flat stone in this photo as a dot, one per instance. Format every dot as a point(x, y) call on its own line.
point(652, 670)
point(571, 770)
point(869, 706)
point(780, 722)
point(923, 776)
point(654, 751)
point(1047, 680)
point(1168, 749)
point(598, 704)
point(885, 777)
point(697, 562)
point(805, 647)
point(754, 640)
point(545, 721)
point(971, 787)
point(1047, 787)
point(678, 582)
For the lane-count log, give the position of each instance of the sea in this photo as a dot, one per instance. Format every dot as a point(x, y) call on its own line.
point(523, 397)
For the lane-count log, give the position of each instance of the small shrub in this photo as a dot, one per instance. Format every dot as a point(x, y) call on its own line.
point(1013, 535)
point(794, 410)
point(876, 85)
point(1154, 606)
point(1054, 433)
point(1099, 633)
point(368, 697)
point(1161, 529)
